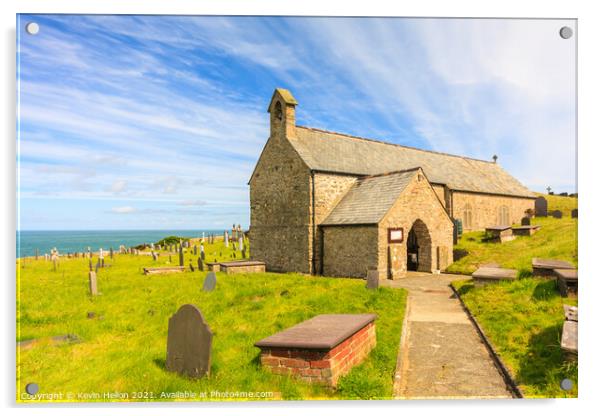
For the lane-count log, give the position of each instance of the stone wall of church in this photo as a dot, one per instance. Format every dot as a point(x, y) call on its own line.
point(350, 251)
point(328, 190)
point(478, 211)
point(280, 193)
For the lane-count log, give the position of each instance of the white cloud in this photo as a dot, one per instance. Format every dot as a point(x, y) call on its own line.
point(123, 210)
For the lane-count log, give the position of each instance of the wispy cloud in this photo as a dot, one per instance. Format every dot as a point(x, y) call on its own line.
point(123, 210)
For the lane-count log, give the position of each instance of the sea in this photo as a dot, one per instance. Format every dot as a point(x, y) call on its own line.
point(72, 241)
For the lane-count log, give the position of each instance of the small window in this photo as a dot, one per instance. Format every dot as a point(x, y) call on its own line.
point(467, 216)
point(395, 235)
point(504, 215)
point(278, 110)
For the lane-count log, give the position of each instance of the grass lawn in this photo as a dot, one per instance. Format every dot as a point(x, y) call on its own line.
point(556, 239)
point(523, 319)
point(123, 348)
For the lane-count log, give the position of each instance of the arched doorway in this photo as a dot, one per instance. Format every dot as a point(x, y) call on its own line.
point(419, 256)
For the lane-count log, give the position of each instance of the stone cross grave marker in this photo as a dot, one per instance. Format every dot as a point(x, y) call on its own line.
point(541, 207)
point(525, 221)
point(210, 282)
point(372, 279)
point(189, 341)
point(92, 283)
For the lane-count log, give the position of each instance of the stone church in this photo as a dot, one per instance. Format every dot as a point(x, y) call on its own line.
point(337, 205)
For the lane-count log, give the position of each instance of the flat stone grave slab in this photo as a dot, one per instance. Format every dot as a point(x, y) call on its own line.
point(567, 281)
point(571, 313)
point(569, 341)
point(526, 230)
point(545, 267)
point(484, 275)
point(500, 233)
point(242, 266)
point(163, 270)
point(321, 349)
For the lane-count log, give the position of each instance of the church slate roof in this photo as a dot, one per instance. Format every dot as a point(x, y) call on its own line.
point(369, 199)
point(335, 152)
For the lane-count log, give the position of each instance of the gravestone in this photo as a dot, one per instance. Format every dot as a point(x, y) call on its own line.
point(92, 283)
point(191, 266)
point(194, 250)
point(203, 255)
point(181, 256)
point(226, 239)
point(200, 264)
point(202, 249)
point(189, 341)
point(111, 253)
point(525, 221)
point(372, 281)
point(574, 213)
point(97, 266)
point(101, 258)
point(240, 243)
point(244, 251)
point(154, 255)
point(541, 207)
point(210, 282)
point(556, 214)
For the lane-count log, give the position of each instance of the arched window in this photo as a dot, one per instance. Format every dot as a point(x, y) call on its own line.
point(467, 216)
point(504, 215)
point(278, 110)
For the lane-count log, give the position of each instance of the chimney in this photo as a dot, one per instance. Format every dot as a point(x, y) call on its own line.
point(282, 113)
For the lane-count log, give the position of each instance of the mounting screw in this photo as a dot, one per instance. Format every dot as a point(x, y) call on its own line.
point(32, 28)
point(32, 388)
point(566, 384)
point(566, 32)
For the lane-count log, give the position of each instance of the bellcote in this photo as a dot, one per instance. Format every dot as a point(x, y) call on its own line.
point(282, 113)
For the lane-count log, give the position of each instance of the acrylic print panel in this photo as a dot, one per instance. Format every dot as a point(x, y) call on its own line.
point(271, 153)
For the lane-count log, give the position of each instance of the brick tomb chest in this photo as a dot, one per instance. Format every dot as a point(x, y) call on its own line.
point(321, 349)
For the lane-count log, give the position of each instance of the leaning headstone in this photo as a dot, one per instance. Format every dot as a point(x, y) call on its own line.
point(92, 283)
point(210, 282)
point(556, 214)
point(372, 279)
point(574, 213)
point(541, 207)
point(525, 221)
point(189, 341)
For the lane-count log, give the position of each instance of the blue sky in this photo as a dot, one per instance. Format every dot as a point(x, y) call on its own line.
point(156, 122)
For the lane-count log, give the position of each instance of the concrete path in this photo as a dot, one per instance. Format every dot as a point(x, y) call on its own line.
point(441, 355)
